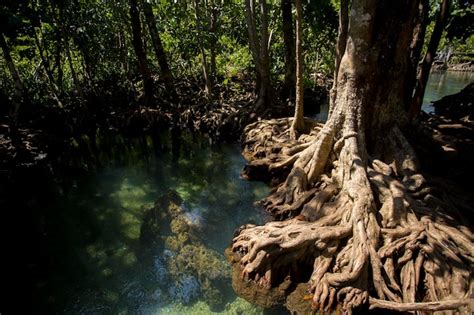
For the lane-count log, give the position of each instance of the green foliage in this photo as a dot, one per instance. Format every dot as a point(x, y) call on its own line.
point(322, 18)
point(98, 34)
point(458, 34)
point(233, 60)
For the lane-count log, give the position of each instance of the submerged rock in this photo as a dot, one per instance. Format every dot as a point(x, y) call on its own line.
point(172, 232)
point(185, 289)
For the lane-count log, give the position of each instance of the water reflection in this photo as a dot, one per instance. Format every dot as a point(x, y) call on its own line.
point(97, 263)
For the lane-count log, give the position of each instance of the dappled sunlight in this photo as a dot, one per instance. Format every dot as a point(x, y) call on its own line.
point(118, 272)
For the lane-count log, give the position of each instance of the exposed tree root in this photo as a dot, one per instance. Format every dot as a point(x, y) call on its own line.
point(371, 225)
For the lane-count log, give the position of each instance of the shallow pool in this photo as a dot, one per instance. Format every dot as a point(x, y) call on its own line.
point(96, 259)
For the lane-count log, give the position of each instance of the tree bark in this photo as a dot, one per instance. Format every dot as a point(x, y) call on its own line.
point(289, 43)
point(265, 93)
point(340, 46)
point(424, 72)
point(253, 38)
point(158, 45)
point(416, 47)
point(297, 126)
point(140, 52)
point(259, 49)
point(19, 89)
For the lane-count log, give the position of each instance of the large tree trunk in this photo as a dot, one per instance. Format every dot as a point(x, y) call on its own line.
point(425, 68)
point(158, 45)
point(297, 127)
point(289, 82)
point(140, 52)
point(362, 222)
point(19, 90)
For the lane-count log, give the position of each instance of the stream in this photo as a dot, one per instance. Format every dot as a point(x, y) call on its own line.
point(94, 245)
point(444, 83)
point(439, 85)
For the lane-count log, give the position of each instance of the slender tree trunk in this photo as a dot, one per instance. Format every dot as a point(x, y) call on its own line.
point(158, 45)
point(340, 46)
point(75, 78)
point(47, 69)
point(213, 42)
point(57, 62)
point(297, 126)
point(122, 47)
point(140, 52)
point(65, 39)
point(427, 62)
point(19, 88)
point(265, 93)
point(289, 43)
point(254, 44)
point(87, 63)
point(44, 60)
point(205, 65)
point(416, 47)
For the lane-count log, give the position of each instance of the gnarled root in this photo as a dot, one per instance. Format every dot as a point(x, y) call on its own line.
point(269, 142)
point(367, 224)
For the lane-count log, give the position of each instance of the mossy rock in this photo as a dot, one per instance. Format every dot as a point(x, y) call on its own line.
point(157, 220)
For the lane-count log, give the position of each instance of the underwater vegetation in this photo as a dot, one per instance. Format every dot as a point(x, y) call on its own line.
point(148, 238)
point(197, 272)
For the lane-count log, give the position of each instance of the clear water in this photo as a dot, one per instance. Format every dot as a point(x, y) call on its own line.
point(444, 83)
point(99, 267)
point(439, 85)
